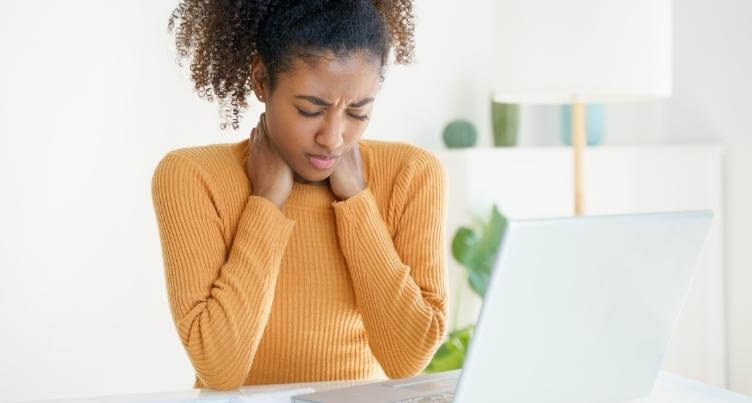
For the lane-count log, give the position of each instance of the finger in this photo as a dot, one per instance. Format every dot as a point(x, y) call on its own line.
point(252, 137)
point(258, 139)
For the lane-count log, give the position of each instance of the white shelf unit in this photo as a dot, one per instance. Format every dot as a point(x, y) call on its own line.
point(534, 182)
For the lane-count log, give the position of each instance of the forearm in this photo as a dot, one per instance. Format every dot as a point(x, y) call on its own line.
point(221, 307)
point(404, 321)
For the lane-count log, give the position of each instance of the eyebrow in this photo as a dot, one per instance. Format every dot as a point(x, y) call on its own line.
point(321, 102)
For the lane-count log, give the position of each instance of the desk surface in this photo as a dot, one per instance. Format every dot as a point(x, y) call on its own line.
point(668, 388)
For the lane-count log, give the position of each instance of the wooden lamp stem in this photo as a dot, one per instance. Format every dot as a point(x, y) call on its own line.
point(578, 142)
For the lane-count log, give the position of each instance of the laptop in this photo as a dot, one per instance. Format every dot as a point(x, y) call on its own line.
point(578, 309)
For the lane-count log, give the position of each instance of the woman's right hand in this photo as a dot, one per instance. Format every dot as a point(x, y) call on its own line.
point(270, 176)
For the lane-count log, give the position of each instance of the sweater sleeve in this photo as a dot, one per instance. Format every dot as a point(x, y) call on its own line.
point(400, 281)
point(220, 297)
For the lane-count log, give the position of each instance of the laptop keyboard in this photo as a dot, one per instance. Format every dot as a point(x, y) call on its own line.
point(443, 397)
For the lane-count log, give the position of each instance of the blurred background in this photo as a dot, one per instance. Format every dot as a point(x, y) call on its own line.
point(92, 98)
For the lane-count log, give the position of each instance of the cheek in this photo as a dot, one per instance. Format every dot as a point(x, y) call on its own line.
point(289, 141)
point(289, 132)
point(354, 133)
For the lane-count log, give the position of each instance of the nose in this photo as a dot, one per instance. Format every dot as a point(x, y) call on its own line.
point(330, 134)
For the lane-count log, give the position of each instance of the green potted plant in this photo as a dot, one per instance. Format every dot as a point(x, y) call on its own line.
point(505, 120)
point(460, 133)
point(476, 250)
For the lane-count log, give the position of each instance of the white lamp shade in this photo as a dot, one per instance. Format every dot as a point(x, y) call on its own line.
point(554, 51)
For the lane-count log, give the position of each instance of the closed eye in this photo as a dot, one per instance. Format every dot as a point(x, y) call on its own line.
point(308, 114)
point(314, 114)
point(358, 117)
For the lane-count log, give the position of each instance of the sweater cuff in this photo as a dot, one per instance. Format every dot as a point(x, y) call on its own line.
point(362, 204)
point(264, 225)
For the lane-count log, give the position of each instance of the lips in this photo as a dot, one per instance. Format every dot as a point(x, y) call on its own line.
point(322, 161)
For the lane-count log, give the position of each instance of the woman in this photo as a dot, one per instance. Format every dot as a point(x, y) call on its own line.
point(302, 253)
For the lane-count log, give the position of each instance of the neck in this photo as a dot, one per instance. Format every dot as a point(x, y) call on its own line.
point(304, 181)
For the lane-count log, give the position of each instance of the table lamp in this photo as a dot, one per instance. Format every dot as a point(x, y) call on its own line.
point(581, 51)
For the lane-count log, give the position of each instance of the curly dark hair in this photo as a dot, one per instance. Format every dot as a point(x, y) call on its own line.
point(222, 37)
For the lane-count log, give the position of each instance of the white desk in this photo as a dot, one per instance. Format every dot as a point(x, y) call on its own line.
point(668, 388)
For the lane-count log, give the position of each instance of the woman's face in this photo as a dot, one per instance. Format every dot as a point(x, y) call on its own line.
point(317, 112)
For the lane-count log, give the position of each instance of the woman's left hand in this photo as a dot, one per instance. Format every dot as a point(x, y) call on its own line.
point(347, 178)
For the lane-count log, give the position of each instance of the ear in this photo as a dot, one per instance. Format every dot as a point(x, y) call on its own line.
point(259, 78)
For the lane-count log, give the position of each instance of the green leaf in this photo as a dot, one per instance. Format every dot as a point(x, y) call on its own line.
point(478, 254)
point(451, 354)
point(478, 282)
point(496, 229)
point(462, 245)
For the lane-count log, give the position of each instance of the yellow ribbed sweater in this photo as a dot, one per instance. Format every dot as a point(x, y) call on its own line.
point(319, 290)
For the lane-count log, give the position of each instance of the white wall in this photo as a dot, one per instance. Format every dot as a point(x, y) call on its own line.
point(91, 100)
point(713, 59)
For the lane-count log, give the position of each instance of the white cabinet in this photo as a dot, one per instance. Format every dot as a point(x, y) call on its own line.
point(528, 182)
